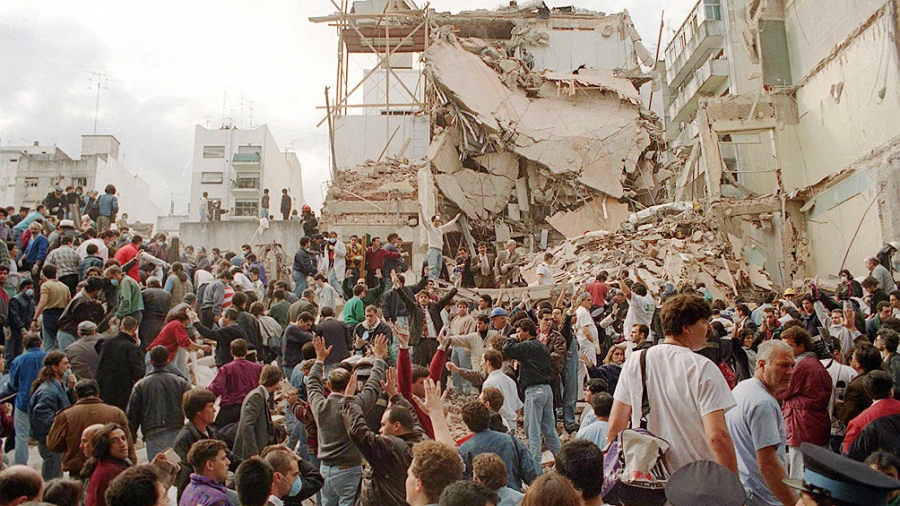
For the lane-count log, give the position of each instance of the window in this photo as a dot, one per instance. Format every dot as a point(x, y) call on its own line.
point(246, 182)
point(713, 9)
point(246, 150)
point(79, 181)
point(213, 151)
point(246, 208)
point(31, 182)
point(211, 177)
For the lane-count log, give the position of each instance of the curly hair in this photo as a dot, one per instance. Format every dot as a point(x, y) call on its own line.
point(476, 416)
point(681, 311)
point(436, 465)
point(490, 470)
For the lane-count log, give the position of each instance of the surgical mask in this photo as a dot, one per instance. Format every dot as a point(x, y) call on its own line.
point(160, 244)
point(29, 292)
point(115, 282)
point(296, 487)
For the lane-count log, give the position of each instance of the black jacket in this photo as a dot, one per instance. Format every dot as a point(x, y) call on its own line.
point(223, 337)
point(21, 311)
point(534, 361)
point(186, 437)
point(156, 402)
point(880, 434)
point(119, 367)
point(250, 325)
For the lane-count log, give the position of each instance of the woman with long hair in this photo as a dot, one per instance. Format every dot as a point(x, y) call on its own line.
point(174, 337)
point(109, 457)
point(48, 396)
point(848, 287)
point(612, 366)
point(178, 284)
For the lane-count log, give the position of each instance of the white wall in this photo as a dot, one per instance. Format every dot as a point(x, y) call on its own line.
point(364, 137)
point(568, 49)
point(133, 192)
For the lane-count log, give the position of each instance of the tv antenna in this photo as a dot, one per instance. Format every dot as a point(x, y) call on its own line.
point(101, 81)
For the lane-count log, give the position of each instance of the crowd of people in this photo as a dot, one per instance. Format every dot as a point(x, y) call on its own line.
point(335, 384)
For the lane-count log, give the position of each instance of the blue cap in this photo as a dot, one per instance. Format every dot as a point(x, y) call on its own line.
point(498, 311)
point(841, 478)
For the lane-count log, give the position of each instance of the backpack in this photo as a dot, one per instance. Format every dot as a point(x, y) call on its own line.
point(93, 211)
point(634, 468)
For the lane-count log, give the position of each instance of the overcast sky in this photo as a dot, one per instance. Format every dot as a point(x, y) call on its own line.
point(171, 64)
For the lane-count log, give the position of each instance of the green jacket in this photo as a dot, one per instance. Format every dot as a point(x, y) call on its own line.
point(354, 311)
point(130, 299)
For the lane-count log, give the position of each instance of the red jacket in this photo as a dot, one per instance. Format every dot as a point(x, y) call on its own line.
point(884, 407)
point(404, 382)
point(805, 404)
point(124, 255)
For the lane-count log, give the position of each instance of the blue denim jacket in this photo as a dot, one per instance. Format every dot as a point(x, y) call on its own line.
point(50, 397)
point(520, 464)
point(109, 204)
point(22, 373)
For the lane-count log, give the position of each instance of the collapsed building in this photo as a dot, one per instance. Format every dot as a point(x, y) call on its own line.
point(535, 125)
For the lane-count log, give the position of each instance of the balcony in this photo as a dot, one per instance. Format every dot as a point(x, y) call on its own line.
point(245, 187)
point(703, 82)
point(709, 37)
point(247, 161)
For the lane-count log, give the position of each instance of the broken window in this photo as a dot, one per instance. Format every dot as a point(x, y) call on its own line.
point(79, 181)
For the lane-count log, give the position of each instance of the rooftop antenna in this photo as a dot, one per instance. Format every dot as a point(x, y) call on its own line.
point(224, 99)
point(207, 120)
point(250, 103)
point(100, 80)
point(242, 109)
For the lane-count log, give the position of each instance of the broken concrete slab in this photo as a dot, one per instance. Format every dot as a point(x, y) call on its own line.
point(601, 79)
point(589, 217)
point(476, 193)
point(442, 152)
point(502, 163)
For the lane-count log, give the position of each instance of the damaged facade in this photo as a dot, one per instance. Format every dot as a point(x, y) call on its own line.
point(535, 124)
point(799, 129)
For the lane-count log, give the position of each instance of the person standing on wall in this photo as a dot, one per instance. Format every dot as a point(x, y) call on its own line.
point(285, 205)
point(264, 205)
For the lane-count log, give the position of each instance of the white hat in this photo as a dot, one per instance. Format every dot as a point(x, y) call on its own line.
point(895, 244)
point(67, 223)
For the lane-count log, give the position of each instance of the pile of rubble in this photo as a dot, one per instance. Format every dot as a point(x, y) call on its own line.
point(514, 148)
point(672, 243)
point(372, 187)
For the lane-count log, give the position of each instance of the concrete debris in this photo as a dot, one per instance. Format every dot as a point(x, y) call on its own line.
point(374, 193)
point(682, 248)
point(569, 139)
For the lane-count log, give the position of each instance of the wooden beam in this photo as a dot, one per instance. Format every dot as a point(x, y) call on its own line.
point(337, 16)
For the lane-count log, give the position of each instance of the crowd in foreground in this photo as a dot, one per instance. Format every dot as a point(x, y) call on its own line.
point(333, 385)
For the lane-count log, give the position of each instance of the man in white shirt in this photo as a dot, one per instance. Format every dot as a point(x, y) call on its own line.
point(687, 392)
point(841, 376)
point(588, 337)
point(328, 296)
point(545, 272)
point(435, 232)
point(640, 305)
point(491, 365)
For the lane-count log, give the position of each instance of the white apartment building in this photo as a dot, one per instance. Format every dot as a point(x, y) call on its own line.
point(235, 166)
point(28, 173)
point(797, 99)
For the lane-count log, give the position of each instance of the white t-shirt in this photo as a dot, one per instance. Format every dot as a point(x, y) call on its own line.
point(548, 274)
point(588, 349)
point(839, 373)
point(511, 401)
point(640, 310)
point(683, 387)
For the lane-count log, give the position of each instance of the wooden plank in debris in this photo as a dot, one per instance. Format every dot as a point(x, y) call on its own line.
point(727, 270)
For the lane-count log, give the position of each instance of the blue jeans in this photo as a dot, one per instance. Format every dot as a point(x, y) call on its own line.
point(23, 429)
point(297, 435)
point(463, 358)
point(340, 485)
point(435, 262)
point(539, 420)
point(158, 441)
point(49, 327)
point(570, 383)
point(51, 467)
point(300, 283)
point(64, 339)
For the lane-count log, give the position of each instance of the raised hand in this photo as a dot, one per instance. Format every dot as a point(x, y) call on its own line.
point(350, 390)
point(380, 347)
point(321, 351)
point(452, 367)
point(433, 403)
point(389, 385)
